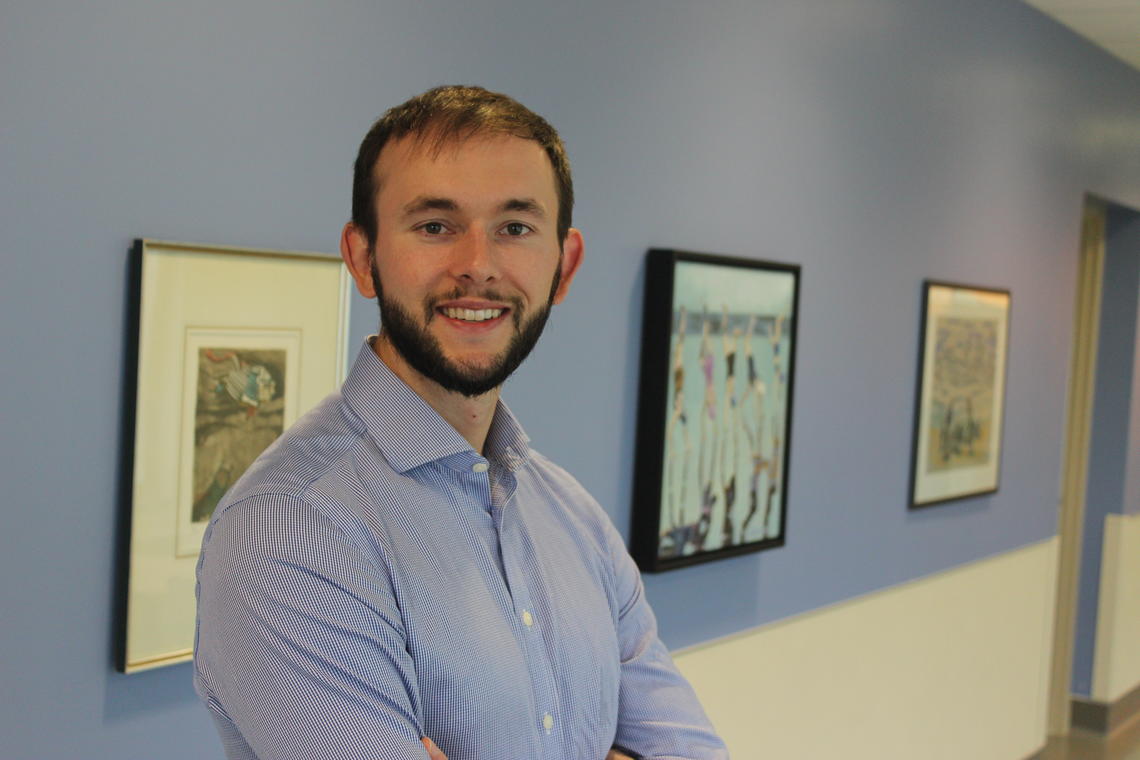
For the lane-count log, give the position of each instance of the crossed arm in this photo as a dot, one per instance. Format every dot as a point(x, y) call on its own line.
point(434, 752)
point(292, 637)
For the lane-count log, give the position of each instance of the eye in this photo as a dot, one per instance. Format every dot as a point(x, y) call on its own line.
point(516, 229)
point(433, 228)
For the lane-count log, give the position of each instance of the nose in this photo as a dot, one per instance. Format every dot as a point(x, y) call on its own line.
point(473, 258)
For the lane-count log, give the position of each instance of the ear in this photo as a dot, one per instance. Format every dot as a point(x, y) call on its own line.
point(354, 251)
point(573, 248)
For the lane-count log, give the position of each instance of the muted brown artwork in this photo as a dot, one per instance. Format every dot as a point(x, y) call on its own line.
point(239, 411)
point(962, 393)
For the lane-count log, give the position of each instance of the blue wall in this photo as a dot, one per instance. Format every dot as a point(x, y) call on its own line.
point(1127, 242)
point(875, 142)
point(1114, 445)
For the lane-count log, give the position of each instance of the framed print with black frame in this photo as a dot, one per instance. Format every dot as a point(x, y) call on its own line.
point(960, 399)
point(714, 416)
point(231, 346)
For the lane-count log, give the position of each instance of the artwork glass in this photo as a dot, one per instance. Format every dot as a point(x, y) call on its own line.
point(231, 346)
point(716, 404)
point(240, 393)
point(958, 422)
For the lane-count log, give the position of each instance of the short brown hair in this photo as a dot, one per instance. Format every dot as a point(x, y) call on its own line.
point(456, 112)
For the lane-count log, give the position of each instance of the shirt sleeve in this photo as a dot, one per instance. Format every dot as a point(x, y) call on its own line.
point(659, 715)
point(300, 643)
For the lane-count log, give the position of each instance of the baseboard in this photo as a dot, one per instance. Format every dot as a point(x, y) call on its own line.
point(1104, 718)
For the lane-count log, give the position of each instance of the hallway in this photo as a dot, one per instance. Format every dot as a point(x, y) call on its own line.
point(1124, 745)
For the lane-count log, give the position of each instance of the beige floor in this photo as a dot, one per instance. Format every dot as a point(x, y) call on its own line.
point(1123, 745)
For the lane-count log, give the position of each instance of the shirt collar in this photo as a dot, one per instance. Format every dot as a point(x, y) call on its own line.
point(410, 433)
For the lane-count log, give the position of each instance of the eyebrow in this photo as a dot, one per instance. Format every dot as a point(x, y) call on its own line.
point(435, 203)
point(524, 205)
point(427, 203)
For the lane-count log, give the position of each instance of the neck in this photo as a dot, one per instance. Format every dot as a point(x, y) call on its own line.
point(471, 416)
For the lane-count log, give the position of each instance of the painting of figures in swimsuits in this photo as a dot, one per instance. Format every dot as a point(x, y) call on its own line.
point(960, 393)
point(714, 422)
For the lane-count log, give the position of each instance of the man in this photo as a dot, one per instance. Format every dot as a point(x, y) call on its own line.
point(401, 570)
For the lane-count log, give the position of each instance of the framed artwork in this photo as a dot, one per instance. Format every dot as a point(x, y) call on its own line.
point(714, 418)
point(231, 345)
point(961, 393)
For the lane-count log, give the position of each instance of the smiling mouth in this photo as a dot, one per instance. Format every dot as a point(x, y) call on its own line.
point(472, 315)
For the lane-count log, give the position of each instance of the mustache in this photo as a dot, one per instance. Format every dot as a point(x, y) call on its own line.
point(457, 292)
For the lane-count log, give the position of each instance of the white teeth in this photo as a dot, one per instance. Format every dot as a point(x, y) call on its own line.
point(472, 315)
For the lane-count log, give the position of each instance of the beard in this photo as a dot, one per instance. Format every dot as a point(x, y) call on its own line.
point(422, 350)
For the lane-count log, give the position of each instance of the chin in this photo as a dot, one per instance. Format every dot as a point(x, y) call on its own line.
point(477, 372)
point(477, 364)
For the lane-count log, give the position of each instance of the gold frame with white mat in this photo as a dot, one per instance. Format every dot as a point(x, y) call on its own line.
point(227, 340)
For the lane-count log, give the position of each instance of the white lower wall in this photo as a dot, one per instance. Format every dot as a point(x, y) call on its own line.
point(1116, 666)
point(950, 666)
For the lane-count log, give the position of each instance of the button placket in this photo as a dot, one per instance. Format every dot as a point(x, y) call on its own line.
point(541, 668)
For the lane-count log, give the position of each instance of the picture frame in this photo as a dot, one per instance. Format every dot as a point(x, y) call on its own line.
point(960, 399)
point(714, 426)
point(229, 346)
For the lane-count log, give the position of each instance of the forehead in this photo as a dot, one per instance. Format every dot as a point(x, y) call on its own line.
point(471, 167)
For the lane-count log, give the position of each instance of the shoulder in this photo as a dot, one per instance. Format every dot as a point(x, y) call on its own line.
point(302, 487)
point(303, 453)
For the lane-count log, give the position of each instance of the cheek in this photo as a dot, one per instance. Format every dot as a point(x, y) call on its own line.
point(535, 277)
point(400, 279)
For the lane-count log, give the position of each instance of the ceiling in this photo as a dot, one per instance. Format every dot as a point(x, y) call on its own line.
point(1112, 24)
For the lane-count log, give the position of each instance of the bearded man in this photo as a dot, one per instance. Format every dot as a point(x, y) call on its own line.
point(400, 575)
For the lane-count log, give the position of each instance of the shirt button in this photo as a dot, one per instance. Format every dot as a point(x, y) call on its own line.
point(548, 722)
point(528, 618)
point(480, 467)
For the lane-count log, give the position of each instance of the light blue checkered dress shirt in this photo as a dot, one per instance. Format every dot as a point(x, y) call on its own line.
point(372, 580)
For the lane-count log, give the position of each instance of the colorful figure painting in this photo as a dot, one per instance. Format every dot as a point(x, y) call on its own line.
point(714, 421)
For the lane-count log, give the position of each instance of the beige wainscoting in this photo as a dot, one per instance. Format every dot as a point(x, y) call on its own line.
point(1116, 668)
point(949, 666)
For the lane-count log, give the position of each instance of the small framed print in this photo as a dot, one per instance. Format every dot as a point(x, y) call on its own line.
point(960, 404)
point(714, 417)
point(232, 345)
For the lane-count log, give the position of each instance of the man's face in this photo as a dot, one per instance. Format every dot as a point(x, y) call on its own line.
point(467, 256)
